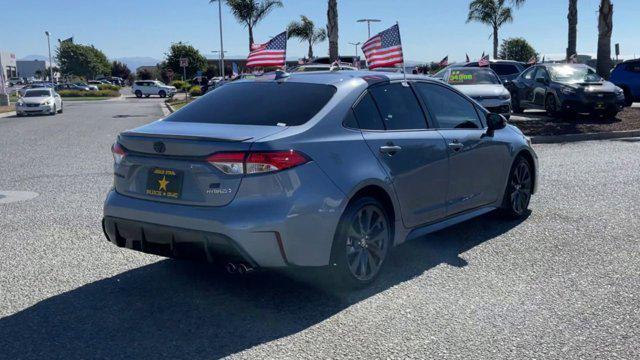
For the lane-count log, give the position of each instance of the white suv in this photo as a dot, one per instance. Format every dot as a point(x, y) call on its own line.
point(152, 87)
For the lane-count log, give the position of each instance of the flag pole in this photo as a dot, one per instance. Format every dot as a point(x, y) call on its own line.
point(404, 72)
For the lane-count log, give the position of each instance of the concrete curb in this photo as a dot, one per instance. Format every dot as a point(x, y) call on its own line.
point(7, 114)
point(170, 108)
point(555, 139)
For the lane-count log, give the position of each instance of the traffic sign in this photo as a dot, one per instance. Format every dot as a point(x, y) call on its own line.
point(184, 62)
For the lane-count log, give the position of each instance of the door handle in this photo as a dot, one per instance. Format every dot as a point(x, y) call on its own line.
point(390, 149)
point(456, 145)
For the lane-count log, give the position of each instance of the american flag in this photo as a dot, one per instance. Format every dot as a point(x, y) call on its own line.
point(444, 62)
point(384, 49)
point(484, 61)
point(272, 53)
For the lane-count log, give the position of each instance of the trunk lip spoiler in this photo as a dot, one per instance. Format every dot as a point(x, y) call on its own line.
point(182, 137)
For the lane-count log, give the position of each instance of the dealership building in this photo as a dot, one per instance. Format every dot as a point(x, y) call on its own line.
point(32, 68)
point(8, 64)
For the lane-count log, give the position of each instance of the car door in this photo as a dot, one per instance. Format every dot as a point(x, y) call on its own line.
point(540, 87)
point(527, 80)
point(413, 155)
point(476, 161)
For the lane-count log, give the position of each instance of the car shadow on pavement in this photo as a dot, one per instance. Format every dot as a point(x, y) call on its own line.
point(175, 309)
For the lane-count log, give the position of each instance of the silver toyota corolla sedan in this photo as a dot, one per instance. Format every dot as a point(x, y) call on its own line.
point(482, 85)
point(322, 169)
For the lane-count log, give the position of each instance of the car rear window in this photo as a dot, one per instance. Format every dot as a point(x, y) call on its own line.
point(258, 103)
point(505, 69)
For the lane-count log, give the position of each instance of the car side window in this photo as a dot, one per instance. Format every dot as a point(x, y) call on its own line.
point(634, 67)
point(451, 110)
point(367, 115)
point(399, 107)
point(528, 74)
point(542, 74)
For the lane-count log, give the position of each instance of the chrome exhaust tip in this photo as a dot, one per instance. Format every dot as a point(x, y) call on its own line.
point(231, 268)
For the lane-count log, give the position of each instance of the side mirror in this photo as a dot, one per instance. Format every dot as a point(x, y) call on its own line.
point(496, 122)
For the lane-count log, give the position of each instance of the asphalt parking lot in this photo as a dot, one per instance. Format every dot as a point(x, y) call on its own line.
point(562, 284)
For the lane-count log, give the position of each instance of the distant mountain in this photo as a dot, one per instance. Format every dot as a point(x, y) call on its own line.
point(136, 61)
point(36, 57)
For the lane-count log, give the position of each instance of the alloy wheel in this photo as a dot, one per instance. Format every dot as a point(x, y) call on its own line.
point(367, 242)
point(521, 186)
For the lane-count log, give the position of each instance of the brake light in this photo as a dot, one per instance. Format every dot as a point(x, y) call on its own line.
point(256, 162)
point(118, 153)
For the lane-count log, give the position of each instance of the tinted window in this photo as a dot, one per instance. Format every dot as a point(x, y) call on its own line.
point(451, 110)
point(634, 67)
point(367, 114)
point(505, 69)
point(528, 74)
point(399, 107)
point(258, 103)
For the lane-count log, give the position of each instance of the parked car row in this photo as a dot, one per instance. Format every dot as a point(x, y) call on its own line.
point(560, 89)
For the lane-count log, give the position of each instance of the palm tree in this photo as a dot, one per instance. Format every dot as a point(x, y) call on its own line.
point(493, 13)
point(251, 12)
point(572, 17)
point(332, 29)
point(305, 30)
point(605, 27)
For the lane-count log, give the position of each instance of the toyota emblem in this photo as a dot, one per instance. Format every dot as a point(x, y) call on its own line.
point(159, 147)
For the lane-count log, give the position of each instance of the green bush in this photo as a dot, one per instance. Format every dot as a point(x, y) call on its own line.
point(180, 85)
point(195, 90)
point(84, 93)
point(108, 87)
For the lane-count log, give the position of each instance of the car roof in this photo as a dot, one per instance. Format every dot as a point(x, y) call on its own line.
point(339, 77)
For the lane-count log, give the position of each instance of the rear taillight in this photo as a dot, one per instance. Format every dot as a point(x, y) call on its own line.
point(256, 162)
point(118, 153)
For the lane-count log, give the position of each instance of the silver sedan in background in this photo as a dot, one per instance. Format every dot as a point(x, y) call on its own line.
point(483, 85)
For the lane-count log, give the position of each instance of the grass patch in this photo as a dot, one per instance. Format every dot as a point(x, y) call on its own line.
point(179, 103)
point(88, 94)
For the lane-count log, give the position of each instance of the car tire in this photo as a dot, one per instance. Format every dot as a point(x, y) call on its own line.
point(54, 111)
point(357, 256)
point(162, 94)
point(138, 94)
point(61, 109)
point(517, 194)
point(551, 106)
point(515, 104)
point(19, 115)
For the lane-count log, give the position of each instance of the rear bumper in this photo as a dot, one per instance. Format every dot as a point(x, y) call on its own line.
point(285, 219)
point(173, 241)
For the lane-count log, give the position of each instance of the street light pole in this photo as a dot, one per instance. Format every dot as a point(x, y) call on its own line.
point(369, 21)
point(356, 46)
point(221, 43)
point(221, 63)
point(50, 63)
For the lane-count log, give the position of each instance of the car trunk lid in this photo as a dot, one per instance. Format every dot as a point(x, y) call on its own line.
point(166, 161)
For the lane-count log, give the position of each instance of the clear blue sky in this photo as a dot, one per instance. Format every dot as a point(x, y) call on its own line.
point(430, 29)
